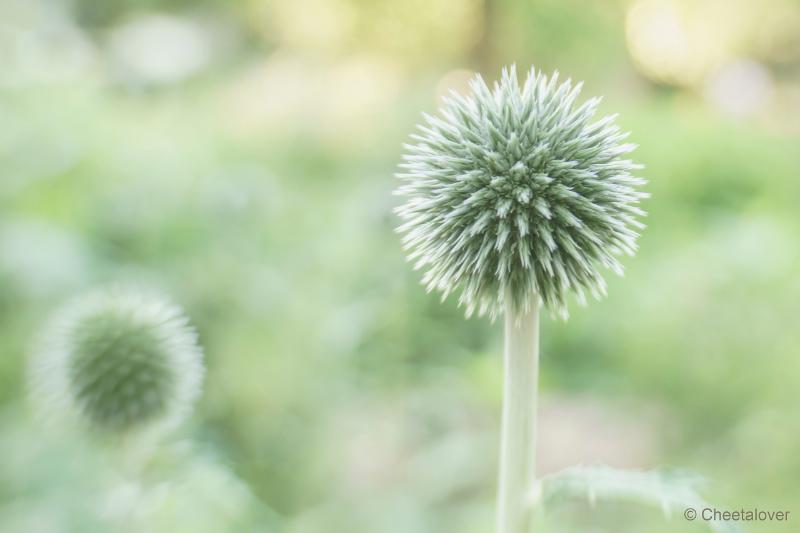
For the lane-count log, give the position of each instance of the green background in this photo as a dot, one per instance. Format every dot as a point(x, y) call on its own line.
point(239, 156)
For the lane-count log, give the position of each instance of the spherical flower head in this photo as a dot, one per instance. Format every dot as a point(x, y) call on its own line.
point(516, 193)
point(121, 360)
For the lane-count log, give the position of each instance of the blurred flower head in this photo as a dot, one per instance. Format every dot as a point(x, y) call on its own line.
point(120, 360)
point(514, 192)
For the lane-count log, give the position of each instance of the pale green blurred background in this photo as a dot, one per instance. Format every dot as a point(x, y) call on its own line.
point(239, 155)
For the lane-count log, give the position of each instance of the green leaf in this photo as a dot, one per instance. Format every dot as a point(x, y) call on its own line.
point(672, 491)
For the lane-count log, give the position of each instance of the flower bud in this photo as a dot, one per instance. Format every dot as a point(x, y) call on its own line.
point(120, 360)
point(516, 192)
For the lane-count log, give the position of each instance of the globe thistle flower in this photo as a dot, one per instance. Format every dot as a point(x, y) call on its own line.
point(515, 192)
point(120, 360)
point(515, 198)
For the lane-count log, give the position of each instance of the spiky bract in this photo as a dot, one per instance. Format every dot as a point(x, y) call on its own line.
point(516, 192)
point(121, 360)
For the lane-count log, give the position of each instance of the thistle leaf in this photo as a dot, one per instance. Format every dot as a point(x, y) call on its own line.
point(673, 492)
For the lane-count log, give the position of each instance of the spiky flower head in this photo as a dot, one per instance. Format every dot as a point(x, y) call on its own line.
point(515, 192)
point(121, 360)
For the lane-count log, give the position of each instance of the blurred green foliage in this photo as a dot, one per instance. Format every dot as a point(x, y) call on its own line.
point(239, 156)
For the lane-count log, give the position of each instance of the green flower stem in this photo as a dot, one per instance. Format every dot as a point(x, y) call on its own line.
point(518, 433)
